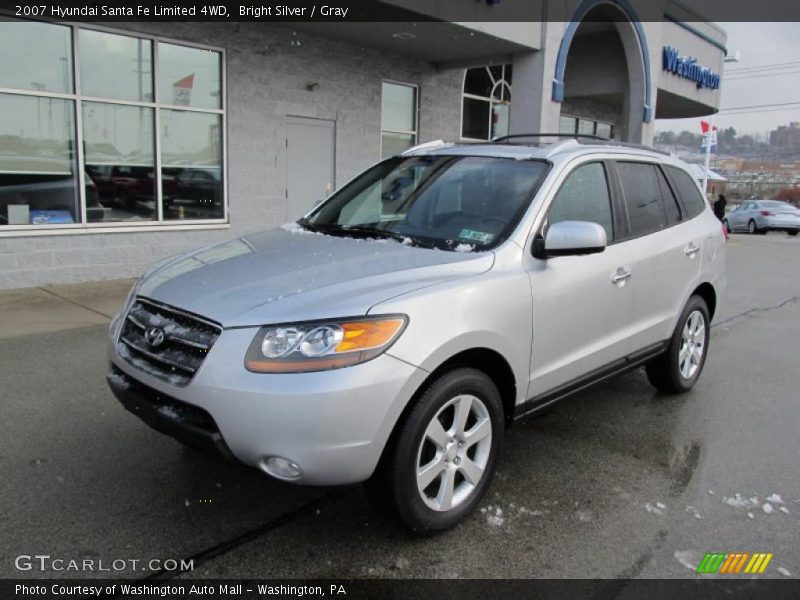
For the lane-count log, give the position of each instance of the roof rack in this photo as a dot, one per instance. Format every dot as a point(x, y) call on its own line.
point(580, 138)
point(637, 146)
point(513, 136)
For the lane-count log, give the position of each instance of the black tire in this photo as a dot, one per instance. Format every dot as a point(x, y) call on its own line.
point(752, 228)
point(664, 372)
point(394, 484)
point(792, 232)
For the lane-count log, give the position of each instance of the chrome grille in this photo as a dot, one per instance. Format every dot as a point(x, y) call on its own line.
point(165, 342)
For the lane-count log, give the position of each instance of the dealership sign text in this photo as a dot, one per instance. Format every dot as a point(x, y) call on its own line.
point(687, 67)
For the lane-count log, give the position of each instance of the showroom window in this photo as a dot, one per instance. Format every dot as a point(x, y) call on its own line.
point(486, 102)
point(579, 125)
point(398, 117)
point(108, 129)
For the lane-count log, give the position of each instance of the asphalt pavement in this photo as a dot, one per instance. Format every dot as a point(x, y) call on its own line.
point(618, 481)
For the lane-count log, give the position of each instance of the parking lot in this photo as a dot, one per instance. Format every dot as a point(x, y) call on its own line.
point(618, 481)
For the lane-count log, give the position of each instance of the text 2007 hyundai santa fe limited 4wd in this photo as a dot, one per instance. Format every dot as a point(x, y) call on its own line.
point(393, 334)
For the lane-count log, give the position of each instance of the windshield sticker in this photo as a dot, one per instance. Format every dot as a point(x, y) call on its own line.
point(476, 236)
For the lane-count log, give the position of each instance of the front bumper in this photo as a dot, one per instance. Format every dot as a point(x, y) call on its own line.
point(333, 424)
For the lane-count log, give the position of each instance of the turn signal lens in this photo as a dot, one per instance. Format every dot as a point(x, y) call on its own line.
point(303, 347)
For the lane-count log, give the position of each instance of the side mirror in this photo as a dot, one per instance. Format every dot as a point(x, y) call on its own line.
point(571, 238)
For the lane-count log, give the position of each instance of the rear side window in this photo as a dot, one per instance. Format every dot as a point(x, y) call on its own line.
point(584, 196)
point(642, 195)
point(687, 189)
point(670, 202)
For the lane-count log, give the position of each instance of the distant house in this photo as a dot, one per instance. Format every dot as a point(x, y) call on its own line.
point(717, 184)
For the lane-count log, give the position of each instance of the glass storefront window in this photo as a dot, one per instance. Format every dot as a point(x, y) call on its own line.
point(189, 76)
point(119, 157)
point(38, 176)
point(116, 66)
point(44, 66)
point(398, 117)
point(575, 125)
point(96, 125)
point(585, 127)
point(191, 171)
point(486, 102)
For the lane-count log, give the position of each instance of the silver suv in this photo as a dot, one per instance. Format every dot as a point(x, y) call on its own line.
point(395, 332)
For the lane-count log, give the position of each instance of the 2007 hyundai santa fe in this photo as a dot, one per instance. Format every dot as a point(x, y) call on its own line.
point(393, 334)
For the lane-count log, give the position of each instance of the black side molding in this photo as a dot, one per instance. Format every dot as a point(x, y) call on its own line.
point(616, 367)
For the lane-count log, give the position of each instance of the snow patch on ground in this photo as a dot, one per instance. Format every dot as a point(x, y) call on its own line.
point(742, 503)
point(695, 513)
point(767, 508)
point(775, 499)
point(784, 571)
point(688, 558)
point(658, 509)
point(584, 516)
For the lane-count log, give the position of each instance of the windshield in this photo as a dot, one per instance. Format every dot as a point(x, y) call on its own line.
point(459, 203)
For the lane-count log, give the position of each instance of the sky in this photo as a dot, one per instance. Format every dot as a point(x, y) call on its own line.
point(759, 44)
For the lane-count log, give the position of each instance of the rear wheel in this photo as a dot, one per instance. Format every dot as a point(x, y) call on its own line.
point(752, 227)
point(444, 455)
point(677, 370)
point(792, 232)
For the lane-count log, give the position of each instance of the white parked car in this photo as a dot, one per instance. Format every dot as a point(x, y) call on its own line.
point(761, 216)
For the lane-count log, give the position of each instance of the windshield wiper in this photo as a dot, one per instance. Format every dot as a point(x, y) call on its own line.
point(385, 233)
point(316, 227)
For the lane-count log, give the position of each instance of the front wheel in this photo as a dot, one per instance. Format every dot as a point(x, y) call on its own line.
point(445, 453)
point(678, 369)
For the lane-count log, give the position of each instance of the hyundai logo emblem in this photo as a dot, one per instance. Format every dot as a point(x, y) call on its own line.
point(154, 336)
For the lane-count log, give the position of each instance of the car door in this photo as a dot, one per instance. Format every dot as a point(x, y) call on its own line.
point(741, 215)
point(666, 243)
point(580, 303)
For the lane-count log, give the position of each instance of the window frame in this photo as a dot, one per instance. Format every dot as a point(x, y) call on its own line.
point(681, 200)
point(595, 123)
point(501, 83)
point(415, 131)
point(77, 99)
point(623, 207)
point(618, 224)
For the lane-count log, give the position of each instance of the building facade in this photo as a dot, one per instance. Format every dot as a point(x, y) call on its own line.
point(123, 144)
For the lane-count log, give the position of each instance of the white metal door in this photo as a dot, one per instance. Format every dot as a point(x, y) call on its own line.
point(310, 163)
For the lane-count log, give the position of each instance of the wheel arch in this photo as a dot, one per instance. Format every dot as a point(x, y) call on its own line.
point(489, 361)
point(707, 292)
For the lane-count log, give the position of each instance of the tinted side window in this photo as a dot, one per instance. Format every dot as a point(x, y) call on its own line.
point(584, 196)
point(642, 197)
point(693, 200)
point(670, 202)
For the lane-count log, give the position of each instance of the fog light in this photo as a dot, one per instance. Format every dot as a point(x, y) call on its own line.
point(281, 468)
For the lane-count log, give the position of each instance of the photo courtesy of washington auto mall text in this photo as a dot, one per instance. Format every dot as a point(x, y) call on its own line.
point(412, 299)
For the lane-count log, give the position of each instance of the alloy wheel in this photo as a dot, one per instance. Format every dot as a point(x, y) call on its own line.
point(693, 341)
point(454, 452)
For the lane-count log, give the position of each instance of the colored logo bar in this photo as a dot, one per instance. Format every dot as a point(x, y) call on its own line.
point(733, 563)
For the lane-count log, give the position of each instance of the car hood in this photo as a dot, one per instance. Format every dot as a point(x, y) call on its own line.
point(290, 274)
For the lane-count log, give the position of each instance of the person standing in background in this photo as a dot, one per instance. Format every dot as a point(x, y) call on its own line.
point(719, 207)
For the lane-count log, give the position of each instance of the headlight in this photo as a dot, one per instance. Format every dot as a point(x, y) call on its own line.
point(322, 345)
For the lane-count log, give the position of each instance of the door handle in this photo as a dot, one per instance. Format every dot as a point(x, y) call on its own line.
point(692, 249)
point(621, 276)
